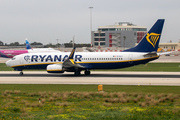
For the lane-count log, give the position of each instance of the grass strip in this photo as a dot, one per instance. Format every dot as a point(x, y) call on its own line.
point(89, 88)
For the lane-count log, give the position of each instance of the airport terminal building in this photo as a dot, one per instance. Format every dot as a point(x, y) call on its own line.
point(123, 34)
point(170, 46)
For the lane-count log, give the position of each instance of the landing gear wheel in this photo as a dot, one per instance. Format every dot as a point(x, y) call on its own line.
point(87, 72)
point(21, 73)
point(77, 73)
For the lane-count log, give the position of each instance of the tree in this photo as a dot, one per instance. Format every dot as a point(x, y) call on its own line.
point(1, 43)
point(36, 43)
point(14, 44)
point(50, 45)
point(124, 41)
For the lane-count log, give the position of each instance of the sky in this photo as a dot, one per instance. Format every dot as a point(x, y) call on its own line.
point(46, 21)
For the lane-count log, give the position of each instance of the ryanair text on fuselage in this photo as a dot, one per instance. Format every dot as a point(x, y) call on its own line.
point(50, 58)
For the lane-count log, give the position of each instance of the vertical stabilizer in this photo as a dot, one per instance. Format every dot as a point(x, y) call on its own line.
point(28, 46)
point(150, 41)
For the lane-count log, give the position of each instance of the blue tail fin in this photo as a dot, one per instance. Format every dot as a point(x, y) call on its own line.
point(27, 45)
point(150, 41)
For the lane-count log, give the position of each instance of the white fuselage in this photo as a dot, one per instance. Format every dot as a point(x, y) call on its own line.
point(89, 60)
point(39, 50)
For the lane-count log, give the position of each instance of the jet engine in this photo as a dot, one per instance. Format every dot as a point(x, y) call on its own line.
point(55, 68)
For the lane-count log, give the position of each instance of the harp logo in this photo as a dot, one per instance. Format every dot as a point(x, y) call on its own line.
point(27, 57)
point(152, 38)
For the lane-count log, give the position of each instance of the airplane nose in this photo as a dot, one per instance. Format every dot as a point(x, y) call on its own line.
point(8, 63)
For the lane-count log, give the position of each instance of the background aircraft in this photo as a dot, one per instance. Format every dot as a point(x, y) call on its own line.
point(12, 53)
point(76, 62)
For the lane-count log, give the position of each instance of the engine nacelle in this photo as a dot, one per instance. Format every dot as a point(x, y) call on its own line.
point(55, 68)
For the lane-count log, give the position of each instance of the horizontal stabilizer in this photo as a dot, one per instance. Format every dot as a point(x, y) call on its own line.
point(163, 53)
point(151, 54)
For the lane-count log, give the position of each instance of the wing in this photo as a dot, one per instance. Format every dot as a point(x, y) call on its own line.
point(68, 65)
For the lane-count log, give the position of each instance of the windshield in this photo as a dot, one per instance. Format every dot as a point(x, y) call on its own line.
point(13, 58)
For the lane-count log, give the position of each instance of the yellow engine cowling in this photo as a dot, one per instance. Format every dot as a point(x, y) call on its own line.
point(55, 68)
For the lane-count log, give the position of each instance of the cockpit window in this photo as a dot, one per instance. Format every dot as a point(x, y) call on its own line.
point(13, 58)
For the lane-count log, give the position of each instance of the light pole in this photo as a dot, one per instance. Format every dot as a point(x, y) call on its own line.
point(99, 37)
point(73, 41)
point(124, 41)
point(91, 23)
point(57, 42)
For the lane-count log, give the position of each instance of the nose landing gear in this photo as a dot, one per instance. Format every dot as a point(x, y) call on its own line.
point(21, 73)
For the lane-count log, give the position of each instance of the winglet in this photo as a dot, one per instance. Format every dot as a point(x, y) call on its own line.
point(27, 44)
point(72, 53)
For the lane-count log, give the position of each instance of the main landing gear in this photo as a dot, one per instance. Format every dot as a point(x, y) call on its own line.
point(77, 73)
point(21, 73)
point(86, 72)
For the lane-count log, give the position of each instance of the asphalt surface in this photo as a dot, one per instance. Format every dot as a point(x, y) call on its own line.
point(106, 78)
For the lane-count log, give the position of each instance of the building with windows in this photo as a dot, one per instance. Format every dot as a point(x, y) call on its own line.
point(170, 46)
point(123, 34)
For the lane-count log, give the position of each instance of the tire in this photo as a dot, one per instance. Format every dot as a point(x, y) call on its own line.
point(87, 72)
point(77, 73)
point(21, 73)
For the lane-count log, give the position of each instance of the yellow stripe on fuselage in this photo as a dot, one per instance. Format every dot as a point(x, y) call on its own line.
point(38, 64)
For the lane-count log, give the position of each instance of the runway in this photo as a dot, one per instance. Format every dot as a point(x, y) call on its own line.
point(105, 78)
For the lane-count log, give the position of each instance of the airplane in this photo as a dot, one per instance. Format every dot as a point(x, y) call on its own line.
point(12, 53)
point(30, 49)
point(28, 46)
point(76, 62)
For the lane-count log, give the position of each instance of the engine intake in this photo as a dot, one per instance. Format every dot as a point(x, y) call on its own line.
point(55, 68)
